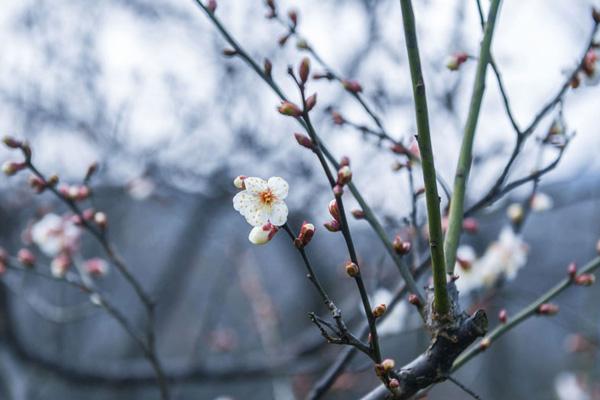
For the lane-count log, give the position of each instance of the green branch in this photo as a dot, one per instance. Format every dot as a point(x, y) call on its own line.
point(466, 150)
point(441, 301)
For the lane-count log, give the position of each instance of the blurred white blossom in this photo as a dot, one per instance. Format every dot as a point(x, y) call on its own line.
point(541, 202)
point(54, 234)
point(568, 387)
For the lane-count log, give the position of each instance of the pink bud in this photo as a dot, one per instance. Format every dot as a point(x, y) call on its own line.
point(454, 61)
point(547, 309)
point(290, 109)
point(306, 233)
point(260, 235)
point(332, 226)
point(88, 214)
point(10, 168)
point(12, 142)
point(470, 225)
point(37, 183)
point(572, 270)
point(83, 192)
point(503, 316)
point(334, 210)
point(338, 190)
point(401, 246)
point(352, 86)
point(394, 384)
point(293, 15)
point(238, 182)
point(338, 119)
point(211, 5)
point(304, 141)
point(311, 102)
point(26, 257)
point(304, 69)
point(585, 280)
point(358, 214)
point(398, 148)
point(414, 300)
point(344, 175)
point(60, 265)
point(96, 267)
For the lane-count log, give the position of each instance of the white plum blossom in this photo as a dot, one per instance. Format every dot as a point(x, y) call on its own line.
point(54, 234)
point(541, 202)
point(568, 387)
point(502, 260)
point(262, 201)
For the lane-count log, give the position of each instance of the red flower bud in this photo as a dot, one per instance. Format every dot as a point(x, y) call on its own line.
point(12, 142)
point(547, 309)
point(338, 190)
point(211, 5)
point(393, 383)
point(503, 316)
point(585, 280)
point(290, 109)
point(358, 214)
point(307, 231)
point(268, 67)
point(293, 15)
point(572, 270)
point(334, 210)
point(10, 168)
point(470, 225)
point(399, 148)
point(304, 69)
point(337, 118)
point(304, 141)
point(26, 257)
point(401, 246)
point(311, 102)
point(332, 226)
point(414, 300)
point(37, 183)
point(352, 86)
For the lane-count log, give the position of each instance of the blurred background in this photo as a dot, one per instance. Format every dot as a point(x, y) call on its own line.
point(142, 87)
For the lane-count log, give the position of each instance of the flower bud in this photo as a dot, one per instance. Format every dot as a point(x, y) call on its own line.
point(345, 161)
point(379, 310)
point(302, 44)
point(96, 267)
point(338, 119)
point(290, 109)
point(352, 269)
point(515, 213)
point(400, 246)
point(485, 343)
point(53, 180)
point(230, 52)
point(344, 175)
point(262, 234)
point(388, 364)
point(304, 69)
point(37, 183)
point(60, 265)
point(26, 257)
point(332, 226)
point(352, 86)
point(454, 61)
point(572, 270)
point(304, 141)
point(547, 309)
point(88, 214)
point(12, 142)
point(393, 383)
point(211, 5)
point(311, 102)
point(10, 168)
point(83, 192)
point(293, 16)
point(338, 190)
point(268, 67)
point(334, 210)
point(414, 300)
point(470, 225)
point(307, 231)
point(398, 148)
point(238, 182)
point(575, 81)
point(585, 279)
point(503, 316)
point(92, 169)
point(101, 220)
point(358, 214)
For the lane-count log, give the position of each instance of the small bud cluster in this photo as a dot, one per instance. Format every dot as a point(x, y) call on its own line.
point(307, 231)
point(401, 247)
point(454, 61)
point(335, 225)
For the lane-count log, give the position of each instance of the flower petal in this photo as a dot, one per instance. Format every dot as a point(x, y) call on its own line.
point(255, 185)
point(279, 187)
point(244, 200)
point(279, 213)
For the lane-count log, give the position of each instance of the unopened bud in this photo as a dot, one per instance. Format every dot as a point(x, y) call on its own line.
point(332, 226)
point(400, 246)
point(345, 161)
point(293, 16)
point(393, 383)
point(379, 310)
point(211, 5)
point(334, 210)
point(302, 44)
point(352, 269)
point(304, 141)
point(37, 183)
point(572, 270)
point(311, 102)
point(470, 225)
point(585, 280)
point(290, 109)
point(338, 190)
point(352, 86)
point(485, 343)
point(268, 67)
point(26, 257)
point(262, 234)
point(230, 52)
point(88, 214)
point(338, 119)
point(503, 316)
point(93, 167)
point(83, 192)
point(100, 219)
point(398, 148)
point(10, 168)
point(96, 267)
point(358, 214)
point(454, 61)
point(60, 265)
point(388, 364)
point(53, 180)
point(344, 175)
point(238, 182)
point(12, 142)
point(515, 213)
point(547, 309)
point(304, 69)
point(414, 300)
point(307, 231)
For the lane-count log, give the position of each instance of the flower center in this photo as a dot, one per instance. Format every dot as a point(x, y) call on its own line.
point(267, 197)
